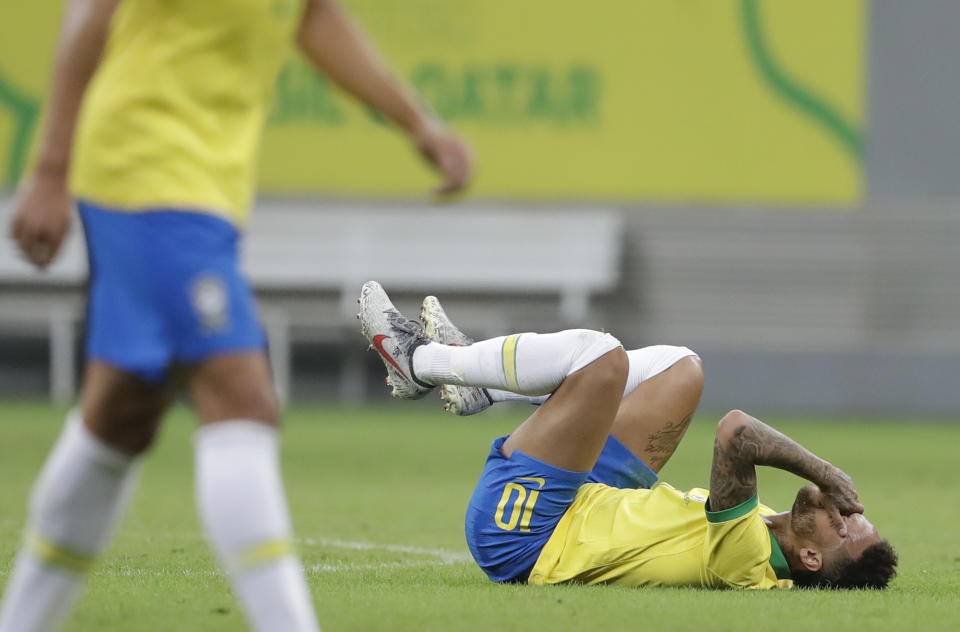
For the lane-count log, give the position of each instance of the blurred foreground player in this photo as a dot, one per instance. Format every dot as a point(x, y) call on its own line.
point(160, 151)
point(569, 496)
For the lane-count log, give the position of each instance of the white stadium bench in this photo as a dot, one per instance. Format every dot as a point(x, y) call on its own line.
point(330, 249)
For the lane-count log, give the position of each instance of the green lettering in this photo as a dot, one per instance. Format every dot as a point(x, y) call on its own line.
point(539, 105)
point(472, 102)
point(303, 95)
point(584, 93)
point(505, 80)
point(433, 83)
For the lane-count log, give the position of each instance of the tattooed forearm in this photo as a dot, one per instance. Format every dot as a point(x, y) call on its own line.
point(730, 482)
point(743, 442)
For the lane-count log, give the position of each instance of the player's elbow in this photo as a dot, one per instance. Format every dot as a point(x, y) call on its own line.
point(731, 426)
point(307, 31)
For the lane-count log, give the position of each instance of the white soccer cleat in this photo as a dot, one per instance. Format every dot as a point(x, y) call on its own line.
point(459, 400)
point(394, 337)
point(465, 400)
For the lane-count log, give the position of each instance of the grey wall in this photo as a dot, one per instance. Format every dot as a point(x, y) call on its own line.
point(800, 310)
point(914, 97)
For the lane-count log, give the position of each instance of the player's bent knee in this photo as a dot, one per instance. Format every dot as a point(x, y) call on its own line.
point(610, 369)
point(590, 346)
point(691, 367)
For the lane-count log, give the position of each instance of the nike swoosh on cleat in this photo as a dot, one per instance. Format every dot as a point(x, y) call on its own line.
point(378, 343)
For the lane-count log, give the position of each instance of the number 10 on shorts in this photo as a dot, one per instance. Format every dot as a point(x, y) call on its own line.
point(522, 499)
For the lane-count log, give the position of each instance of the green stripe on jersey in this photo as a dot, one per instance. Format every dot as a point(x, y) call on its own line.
point(725, 515)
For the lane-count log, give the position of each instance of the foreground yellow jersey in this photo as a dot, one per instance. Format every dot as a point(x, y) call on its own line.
point(661, 537)
point(173, 116)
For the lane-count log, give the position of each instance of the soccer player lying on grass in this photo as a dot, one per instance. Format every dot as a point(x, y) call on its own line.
point(570, 495)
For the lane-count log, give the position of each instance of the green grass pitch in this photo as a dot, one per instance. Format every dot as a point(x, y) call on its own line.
point(378, 497)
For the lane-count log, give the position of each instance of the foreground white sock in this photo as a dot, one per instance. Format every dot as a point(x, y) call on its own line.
point(242, 504)
point(645, 363)
point(81, 494)
point(529, 364)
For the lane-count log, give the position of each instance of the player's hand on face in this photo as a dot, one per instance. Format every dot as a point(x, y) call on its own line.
point(42, 218)
point(840, 498)
point(448, 153)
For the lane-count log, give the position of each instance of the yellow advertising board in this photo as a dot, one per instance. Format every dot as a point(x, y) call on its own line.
point(701, 100)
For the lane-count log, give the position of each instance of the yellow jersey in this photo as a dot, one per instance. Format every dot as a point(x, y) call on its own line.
point(661, 537)
point(174, 114)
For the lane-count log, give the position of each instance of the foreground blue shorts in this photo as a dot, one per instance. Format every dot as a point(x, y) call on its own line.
point(165, 288)
point(519, 501)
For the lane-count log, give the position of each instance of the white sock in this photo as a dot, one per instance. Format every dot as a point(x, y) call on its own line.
point(497, 396)
point(529, 364)
point(83, 490)
point(651, 361)
point(242, 504)
point(645, 363)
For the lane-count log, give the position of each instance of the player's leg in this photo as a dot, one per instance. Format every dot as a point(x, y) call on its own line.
point(585, 370)
point(569, 430)
point(654, 416)
point(84, 486)
point(81, 495)
point(240, 493)
point(662, 392)
point(239, 489)
point(645, 363)
point(123, 409)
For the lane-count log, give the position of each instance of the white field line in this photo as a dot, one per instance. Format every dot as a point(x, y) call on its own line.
point(317, 569)
point(333, 543)
point(444, 555)
point(313, 569)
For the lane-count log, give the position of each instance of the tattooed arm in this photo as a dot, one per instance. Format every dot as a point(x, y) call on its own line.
point(744, 442)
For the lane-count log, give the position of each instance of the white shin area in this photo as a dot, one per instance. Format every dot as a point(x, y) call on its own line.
point(76, 503)
point(645, 363)
point(528, 364)
point(243, 507)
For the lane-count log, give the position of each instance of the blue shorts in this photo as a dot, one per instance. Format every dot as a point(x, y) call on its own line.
point(165, 288)
point(519, 501)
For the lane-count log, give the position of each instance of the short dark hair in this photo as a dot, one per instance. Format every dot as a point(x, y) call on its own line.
point(874, 569)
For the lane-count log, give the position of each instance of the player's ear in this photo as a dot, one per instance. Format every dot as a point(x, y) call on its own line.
point(811, 559)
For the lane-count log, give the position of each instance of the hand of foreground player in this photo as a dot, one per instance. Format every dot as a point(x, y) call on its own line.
point(840, 496)
point(448, 153)
point(42, 218)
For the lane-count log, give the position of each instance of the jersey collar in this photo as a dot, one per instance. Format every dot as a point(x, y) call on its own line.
point(778, 561)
